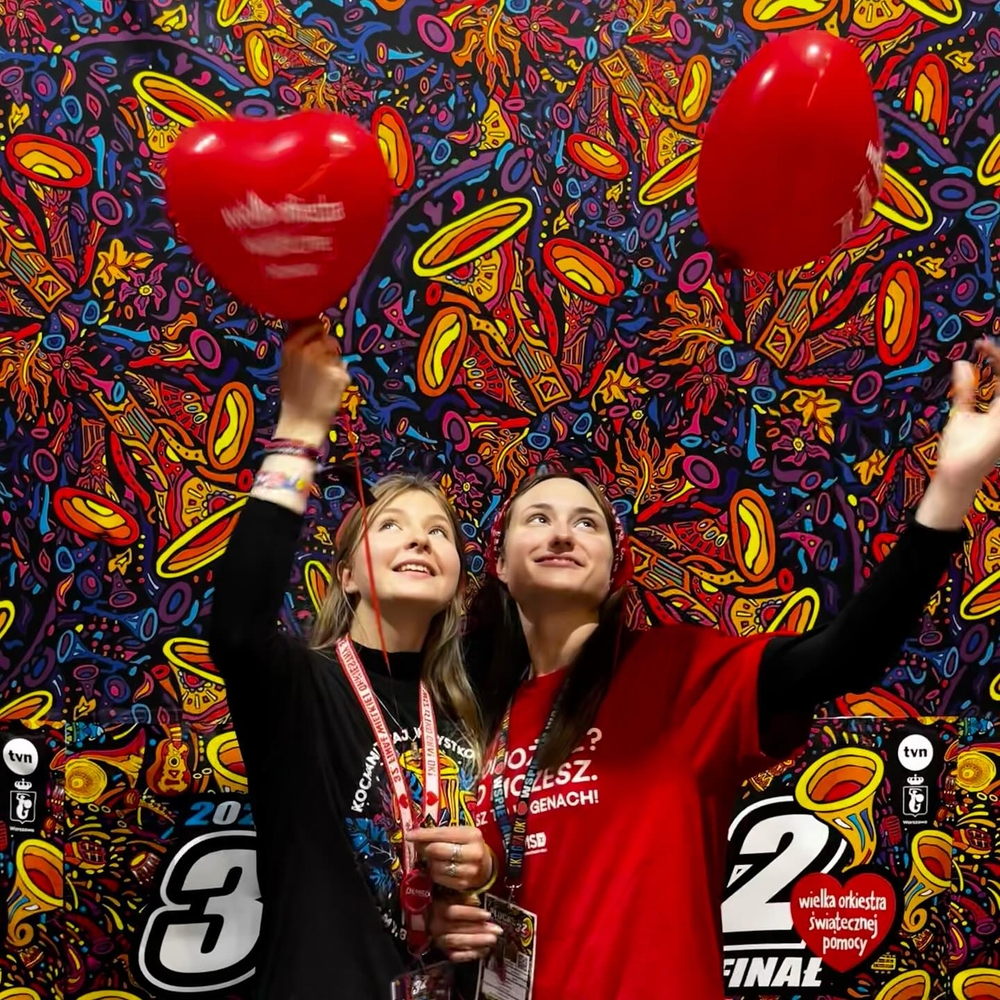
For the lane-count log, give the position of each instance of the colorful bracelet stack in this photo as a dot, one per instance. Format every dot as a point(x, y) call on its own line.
point(296, 449)
point(280, 481)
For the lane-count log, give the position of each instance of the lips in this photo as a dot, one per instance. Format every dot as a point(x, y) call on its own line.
point(414, 566)
point(558, 561)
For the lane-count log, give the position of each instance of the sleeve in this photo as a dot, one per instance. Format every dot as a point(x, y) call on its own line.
point(711, 697)
point(261, 664)
point(852, 653)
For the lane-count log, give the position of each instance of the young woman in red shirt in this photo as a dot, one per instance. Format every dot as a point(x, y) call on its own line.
point(617, 756)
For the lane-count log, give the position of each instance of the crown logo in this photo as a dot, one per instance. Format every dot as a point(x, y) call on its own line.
point(914, 779)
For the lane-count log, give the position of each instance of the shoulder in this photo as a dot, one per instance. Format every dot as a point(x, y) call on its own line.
point(693, 647)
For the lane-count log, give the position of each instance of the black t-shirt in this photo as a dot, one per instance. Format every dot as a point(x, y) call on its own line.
point(328, 850)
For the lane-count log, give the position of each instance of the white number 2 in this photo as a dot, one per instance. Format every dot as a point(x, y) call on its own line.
point(772, 845)
point(202, 938)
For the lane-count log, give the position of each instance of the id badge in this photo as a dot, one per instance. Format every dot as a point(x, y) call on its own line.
point(508, 972)
point(433, 982)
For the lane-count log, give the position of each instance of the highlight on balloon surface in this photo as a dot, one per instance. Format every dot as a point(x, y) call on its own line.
point(285, 213)
point(792, 158)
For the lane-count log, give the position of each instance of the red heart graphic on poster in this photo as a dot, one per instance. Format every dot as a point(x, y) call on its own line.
point(285, 213)
point(843, 924)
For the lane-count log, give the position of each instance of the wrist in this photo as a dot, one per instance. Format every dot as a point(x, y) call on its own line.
point(946, 502)
point(311, 432)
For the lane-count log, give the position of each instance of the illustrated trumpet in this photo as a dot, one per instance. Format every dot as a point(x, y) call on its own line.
point(839, 789)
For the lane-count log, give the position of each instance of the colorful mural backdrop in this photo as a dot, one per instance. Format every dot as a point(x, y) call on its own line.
point(543, 293)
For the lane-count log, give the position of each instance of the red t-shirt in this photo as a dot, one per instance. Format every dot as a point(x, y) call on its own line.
point(626, 842)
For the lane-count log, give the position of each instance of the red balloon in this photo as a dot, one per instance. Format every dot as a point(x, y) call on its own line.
point(791, 162)
point(286, 212)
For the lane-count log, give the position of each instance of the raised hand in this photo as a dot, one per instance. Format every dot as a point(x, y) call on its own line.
point(313, 380)
point(969, 448)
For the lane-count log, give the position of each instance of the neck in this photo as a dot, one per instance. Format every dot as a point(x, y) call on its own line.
point(400, 636)
point(555, 638)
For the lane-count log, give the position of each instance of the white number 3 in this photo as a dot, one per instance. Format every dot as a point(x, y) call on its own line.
point(202, 938)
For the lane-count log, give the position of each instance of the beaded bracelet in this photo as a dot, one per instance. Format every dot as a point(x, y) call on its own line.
point(279, 481)
point(297, 449)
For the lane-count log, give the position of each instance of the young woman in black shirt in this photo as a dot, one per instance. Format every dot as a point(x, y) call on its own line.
point(334, 734)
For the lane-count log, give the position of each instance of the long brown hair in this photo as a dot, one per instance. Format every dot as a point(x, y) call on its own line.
point(494, 616)
point(443, 665)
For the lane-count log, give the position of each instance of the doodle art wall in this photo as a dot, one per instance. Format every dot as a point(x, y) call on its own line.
point(542, 294)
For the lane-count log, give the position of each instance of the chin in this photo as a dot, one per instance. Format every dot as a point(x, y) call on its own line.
point(558, 588)
point(422, 592)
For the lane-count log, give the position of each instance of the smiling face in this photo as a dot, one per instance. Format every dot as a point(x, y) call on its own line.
point(414, 556)
point(557, 548)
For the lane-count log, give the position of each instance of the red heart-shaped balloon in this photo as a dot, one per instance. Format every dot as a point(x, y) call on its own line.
point(284, 212)
point(791, 161)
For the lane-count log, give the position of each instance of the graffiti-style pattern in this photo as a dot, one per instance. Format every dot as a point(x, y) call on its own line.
point(543, 294)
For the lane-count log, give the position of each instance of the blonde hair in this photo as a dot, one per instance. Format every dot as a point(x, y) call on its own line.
point(443, 664)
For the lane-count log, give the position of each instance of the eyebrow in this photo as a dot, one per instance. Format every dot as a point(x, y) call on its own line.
point(579, 510)
point(439, 517)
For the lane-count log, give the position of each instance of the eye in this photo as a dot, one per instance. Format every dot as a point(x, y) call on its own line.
point(537, 519)
point(587, 522)
point(387, 523)
point(443, 532)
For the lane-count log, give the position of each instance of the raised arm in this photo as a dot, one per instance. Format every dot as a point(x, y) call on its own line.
point(246, 643)
point(853, 652)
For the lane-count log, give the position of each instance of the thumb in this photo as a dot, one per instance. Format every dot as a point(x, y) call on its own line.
point(963, 386)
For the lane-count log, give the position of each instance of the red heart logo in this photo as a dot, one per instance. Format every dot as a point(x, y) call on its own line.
point(843, 924)
point(286, 212)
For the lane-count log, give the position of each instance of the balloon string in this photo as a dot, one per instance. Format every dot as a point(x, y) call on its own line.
point(360, 485)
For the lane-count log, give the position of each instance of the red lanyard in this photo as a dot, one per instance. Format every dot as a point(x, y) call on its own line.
point(416, 890)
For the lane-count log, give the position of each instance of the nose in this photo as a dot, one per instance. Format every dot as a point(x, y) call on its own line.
point(419, 540)
point(562, 537)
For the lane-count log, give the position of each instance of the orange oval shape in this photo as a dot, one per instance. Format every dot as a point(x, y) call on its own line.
point(596, 156)
point(927, 93)
point(988, 168)
point(48, 161)
point(94, 516)
point(471, 236)
point(694, 90)
point(880, 704)
point(983, 601)
point(582, 270)
point(224, 754)
point(31, 709)
point(7, 616)
point(179, 102)
point(981, 983)
point(897, 313)
point(942, 11)
point(441, 351)
point(771, 15)
point(900, 202)
point(799, 614)
point(199, 545)
point(230, 427)
point(751, 531)
point(671, 180)
point(317, 578)
point(191, 654)
point(257, 52)
point(397, 150)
